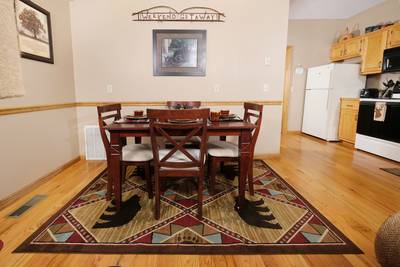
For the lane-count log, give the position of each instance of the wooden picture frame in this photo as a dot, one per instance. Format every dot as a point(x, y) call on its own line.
point(179, 52)
point(34, 31)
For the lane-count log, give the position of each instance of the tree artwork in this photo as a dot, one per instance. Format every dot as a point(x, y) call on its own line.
point(31, 22)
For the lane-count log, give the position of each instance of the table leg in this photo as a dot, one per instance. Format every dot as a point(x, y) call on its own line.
point(115, 169)
point(244, 145)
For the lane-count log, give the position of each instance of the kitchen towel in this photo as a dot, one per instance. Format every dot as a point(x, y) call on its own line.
point(380, 111)
point(10, 62)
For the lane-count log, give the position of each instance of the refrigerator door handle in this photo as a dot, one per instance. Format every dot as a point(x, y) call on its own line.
point(327, 101)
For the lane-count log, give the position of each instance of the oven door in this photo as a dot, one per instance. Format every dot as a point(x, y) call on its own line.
point(388, 130)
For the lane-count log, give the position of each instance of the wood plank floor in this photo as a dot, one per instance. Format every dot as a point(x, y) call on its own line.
point(345, 185)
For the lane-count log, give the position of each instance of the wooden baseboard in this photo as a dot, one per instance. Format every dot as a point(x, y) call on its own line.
point(30, 187)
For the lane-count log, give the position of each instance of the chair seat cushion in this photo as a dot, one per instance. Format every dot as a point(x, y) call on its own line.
point(137, 152)
point(223, 149)
point(178, 156)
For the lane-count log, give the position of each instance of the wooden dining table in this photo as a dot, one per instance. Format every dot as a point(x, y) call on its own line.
point(118, 131)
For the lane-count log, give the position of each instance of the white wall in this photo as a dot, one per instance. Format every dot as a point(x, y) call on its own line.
point(110, 48)
point(34, 144)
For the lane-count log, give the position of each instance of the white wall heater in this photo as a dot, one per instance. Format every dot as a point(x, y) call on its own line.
point(94, 148)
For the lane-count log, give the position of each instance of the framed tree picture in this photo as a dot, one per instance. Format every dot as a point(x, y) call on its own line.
point(179, 52)
point(34, 30)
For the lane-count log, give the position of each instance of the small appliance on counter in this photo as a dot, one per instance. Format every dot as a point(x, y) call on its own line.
point(396, 90)
point(369, 93)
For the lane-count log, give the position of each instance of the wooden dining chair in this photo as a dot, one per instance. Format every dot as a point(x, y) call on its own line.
point(132, 154)
point(194, 141)
point(178, 161)
point(183, 104)
point(224, 151)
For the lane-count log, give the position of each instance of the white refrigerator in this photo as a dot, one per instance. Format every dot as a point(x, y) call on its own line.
point(325, 86)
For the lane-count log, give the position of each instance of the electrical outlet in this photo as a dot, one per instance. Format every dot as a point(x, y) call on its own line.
point(217, 88)
point(109, 89)
point(266, 87)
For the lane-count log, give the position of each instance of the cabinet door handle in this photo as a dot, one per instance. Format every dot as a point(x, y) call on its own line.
point(356, 118)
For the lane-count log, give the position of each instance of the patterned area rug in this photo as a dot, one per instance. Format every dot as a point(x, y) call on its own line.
point(278, 220)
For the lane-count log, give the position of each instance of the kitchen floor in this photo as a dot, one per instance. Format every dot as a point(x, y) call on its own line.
point(346, 185)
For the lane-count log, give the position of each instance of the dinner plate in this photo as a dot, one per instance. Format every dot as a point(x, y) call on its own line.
point(182, 121)
point(133, 117)
point(228, 116)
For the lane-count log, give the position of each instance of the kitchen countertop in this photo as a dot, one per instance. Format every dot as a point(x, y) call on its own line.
point(379, 100)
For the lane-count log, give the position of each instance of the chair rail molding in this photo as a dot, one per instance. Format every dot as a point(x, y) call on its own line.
point(36, 108)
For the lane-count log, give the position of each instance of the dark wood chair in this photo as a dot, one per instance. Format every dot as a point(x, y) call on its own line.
point(183, 104)
point(132, 154)
point(224, 151)
point(194, 141)
point(178, 161)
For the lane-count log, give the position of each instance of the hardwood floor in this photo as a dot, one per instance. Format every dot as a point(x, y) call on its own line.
point(347, 186)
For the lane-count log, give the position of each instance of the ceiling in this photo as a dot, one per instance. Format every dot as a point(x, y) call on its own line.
point(329, 9)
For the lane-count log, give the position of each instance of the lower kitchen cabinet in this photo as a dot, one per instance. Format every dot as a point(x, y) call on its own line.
point(348, 119)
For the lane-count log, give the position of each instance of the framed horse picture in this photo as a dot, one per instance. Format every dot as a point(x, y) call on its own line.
point(179, 52)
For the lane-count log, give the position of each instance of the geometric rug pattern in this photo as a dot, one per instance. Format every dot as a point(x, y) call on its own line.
point(74, 228)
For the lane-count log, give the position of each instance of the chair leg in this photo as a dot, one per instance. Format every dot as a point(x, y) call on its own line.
point(109, 184)
point(221, 166)
point(123, 173)
point(148, 180)
point(250, 178)
point(158, 196)
point(212, 169)
point(200, 196)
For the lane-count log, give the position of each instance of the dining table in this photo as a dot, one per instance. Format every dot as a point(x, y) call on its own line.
point(121, 130)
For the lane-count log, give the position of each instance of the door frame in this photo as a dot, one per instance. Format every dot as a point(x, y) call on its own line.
point(286, 88)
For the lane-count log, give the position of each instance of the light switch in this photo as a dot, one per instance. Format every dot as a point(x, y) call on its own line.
point(109, 88)
point(267, 61)
point(217, 88)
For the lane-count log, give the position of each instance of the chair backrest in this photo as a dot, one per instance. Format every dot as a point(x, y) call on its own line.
point(253, 111)
point(106, 113)
point(183, 104)
point(167, 123)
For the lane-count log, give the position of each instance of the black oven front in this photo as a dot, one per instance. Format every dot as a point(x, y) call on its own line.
point(388, 130)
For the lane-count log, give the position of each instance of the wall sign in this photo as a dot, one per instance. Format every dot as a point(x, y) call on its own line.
point(166, 13)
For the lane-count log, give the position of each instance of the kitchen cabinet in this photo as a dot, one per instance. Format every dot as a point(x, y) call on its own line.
point(353, 48)
point(348, 119)
point(337, 51)
point(374, 44)
point(394, 36)
point(346, 49)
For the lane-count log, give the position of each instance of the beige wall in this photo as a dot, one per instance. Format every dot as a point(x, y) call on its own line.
point(312, 39)
point(34, 144)
point(109, 48)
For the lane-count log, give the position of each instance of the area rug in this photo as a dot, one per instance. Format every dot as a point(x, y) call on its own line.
point(279, 221)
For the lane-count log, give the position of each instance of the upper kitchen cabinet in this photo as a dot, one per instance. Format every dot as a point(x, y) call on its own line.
point(346, 49)
point(394, 36)
point(353, 47)
point(374, 44)
point(337, 51)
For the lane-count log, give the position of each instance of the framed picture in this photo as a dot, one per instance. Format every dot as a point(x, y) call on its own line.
point(179, 52)
point(34, 30)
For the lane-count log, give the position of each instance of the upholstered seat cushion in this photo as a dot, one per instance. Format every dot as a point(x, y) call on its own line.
point(137, 152)
point(223, 149)
point(178, 156)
